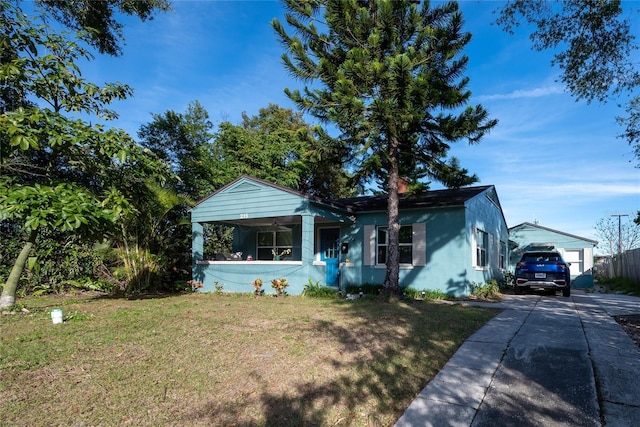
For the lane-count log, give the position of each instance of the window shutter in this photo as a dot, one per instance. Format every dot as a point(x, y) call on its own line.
point(369, 256)
point(474, 246)
point(419, 244)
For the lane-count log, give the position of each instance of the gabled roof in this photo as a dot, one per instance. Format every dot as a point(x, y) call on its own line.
point(251, 178)
point(430, 199)
point(272, 185)
point(529, 224)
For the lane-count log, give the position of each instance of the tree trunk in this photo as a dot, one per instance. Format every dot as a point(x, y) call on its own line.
point(9, 290)
point(392, 278)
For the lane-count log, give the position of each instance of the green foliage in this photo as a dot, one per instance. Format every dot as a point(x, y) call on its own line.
point(596, 38)
point(316, 290)
point(64, 263)
point(486, 290)
point(426, 294)
point(386, 71)
point(59, 174)
point(139, 268)
point(96, 18)
point(218, 238)
point(78, 316)
point(279, 146)
point(594, 46)
point(63, 207)
point(219, 287)
point(508, 279)
point(143, 247)
point(183, 141)
point(15, 308)
point(621, 284)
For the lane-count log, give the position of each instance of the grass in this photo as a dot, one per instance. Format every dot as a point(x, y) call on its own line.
point(620, 284)
point(223, 360)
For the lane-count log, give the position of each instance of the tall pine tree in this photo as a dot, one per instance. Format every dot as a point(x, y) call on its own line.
point(388, 76)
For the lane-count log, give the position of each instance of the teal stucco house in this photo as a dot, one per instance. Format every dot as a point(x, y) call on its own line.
point(574, 249)
point(449, 238)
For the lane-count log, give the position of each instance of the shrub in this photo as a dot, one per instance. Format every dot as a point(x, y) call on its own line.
point(280, 285)
point(257, 285)
point(508, 279)
point(316, 290)
point(426, 294)
point(621, 284)
point(219, 287)
point(487, 290)
point(194, 285)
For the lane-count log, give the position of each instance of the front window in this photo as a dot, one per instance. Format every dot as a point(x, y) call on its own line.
point(275, 244)
point(482, 243)
point(405, 246)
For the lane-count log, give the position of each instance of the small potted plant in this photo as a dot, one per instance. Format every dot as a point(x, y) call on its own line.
point(278, 255)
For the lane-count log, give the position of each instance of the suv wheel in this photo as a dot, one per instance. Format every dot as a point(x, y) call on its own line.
point(566, 292)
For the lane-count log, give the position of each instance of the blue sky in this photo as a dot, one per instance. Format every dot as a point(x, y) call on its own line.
point(552, 159)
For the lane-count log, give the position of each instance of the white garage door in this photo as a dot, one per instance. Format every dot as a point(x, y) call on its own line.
point(576, 258)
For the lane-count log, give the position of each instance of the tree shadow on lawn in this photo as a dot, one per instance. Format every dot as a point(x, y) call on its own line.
point(383, 358)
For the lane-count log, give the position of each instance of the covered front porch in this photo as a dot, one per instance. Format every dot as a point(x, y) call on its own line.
point(277, 233)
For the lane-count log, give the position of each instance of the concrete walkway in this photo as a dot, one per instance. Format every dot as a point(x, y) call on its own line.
point(543, 361)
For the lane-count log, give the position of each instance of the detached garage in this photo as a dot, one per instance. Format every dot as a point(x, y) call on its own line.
point(574, 249)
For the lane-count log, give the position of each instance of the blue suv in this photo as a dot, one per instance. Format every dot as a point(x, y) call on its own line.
point(543, 270)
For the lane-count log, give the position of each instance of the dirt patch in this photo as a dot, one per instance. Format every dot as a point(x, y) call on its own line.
point(631, 325)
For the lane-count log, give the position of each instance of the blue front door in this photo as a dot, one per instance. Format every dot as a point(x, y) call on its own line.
point(330, 253)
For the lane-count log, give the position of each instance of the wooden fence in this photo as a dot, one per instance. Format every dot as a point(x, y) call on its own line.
point(625, 265)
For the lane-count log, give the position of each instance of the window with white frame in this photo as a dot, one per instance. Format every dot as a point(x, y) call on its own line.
point(405, 246)
point(274, 244)
point(503, 254)
point(482, 246)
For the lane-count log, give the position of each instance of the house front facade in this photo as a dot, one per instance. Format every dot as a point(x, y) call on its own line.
point(449, 239)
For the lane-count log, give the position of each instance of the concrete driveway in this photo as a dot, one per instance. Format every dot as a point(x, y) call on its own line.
point(543, 361)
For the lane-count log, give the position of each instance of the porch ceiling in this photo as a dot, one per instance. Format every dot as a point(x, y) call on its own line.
point(273, 221)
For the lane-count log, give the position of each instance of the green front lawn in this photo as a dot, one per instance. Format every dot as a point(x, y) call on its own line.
point(223, 360)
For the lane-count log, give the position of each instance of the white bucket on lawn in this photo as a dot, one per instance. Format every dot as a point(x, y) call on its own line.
point(56, 316)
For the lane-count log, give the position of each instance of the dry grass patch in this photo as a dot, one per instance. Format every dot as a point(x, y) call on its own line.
point(203, 360)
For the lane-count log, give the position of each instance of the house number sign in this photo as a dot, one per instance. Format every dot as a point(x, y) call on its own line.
point(244, 215)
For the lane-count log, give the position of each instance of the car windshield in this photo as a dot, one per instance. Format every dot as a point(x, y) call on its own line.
point(542, 257)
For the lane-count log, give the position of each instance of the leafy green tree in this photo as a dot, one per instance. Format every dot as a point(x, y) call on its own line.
point(96, 19)
point(184, 142)
point(387, 75)
point(595, 50)
point(57, 172)
point(279, 146)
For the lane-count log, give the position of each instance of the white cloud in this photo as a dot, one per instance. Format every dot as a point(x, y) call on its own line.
point(538, 92)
